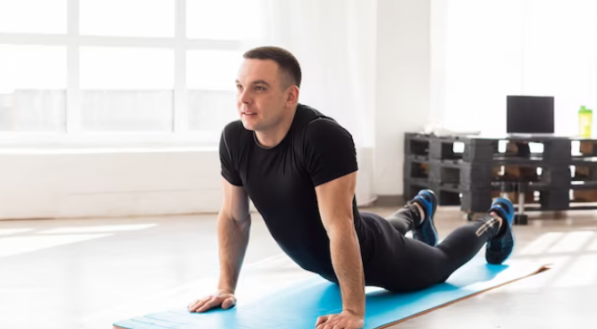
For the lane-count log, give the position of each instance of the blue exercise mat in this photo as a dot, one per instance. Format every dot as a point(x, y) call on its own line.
point(300, 305)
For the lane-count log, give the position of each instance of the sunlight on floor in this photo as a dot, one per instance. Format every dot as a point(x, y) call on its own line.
point(571, 242)
point(22, 244)
point(578, 267)
point(98, 229)
point(33, 241)
point(560, 242)
point(592, 246)
point(581, 271)
point(541, 244)
point(10, 231)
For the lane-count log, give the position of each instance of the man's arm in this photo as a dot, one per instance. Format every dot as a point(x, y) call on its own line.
point(234, 223)
point(335, 206)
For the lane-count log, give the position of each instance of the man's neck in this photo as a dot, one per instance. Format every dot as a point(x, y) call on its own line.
point(271, 138)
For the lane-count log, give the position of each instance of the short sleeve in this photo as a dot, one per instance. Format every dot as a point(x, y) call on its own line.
point(228, 168)
point(329, 151)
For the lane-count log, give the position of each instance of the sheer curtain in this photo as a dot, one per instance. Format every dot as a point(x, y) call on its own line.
point(516, 47)
point(334, 41)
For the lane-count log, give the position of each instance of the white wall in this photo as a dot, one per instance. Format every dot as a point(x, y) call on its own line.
point(108, 183)
point(403, 84)
point(437, 33)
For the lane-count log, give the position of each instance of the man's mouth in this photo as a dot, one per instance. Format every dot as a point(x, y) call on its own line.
point(249, 113)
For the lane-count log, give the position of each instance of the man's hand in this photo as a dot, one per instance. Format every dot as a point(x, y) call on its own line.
point(222, 298)
point(344, 320)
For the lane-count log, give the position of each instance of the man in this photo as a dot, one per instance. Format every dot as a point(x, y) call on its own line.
point(299, 169)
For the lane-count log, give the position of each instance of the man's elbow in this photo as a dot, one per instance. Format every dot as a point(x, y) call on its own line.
point(242, 220)
point(341, 229)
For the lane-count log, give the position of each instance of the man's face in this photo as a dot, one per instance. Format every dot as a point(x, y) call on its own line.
point(261, 94)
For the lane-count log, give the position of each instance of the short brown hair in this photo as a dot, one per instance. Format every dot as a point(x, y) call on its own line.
point(286, 61)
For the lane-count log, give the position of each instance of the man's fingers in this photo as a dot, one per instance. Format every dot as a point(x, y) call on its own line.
point(328, 322)
point(320, 321)
point(211, 303)
point(194, 305)
point(228, 303)
point(335, 321)
point(202, 303)
point(206, 305)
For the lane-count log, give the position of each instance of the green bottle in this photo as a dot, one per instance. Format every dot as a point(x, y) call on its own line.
point(585, 122)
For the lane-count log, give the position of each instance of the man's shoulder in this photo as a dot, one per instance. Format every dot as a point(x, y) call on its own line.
point(325, 127)
point(325, 124)
point(234, 128)
point(320, 133)
point(314, 120)
point(232, 135)
point(306, 113)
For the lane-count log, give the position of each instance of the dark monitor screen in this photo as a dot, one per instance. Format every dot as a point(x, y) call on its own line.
point(530, 114)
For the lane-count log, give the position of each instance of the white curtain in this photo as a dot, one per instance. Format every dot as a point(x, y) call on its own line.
point(334, 41)
point(492, 49)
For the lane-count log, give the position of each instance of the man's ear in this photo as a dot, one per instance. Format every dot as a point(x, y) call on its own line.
point(293, 95)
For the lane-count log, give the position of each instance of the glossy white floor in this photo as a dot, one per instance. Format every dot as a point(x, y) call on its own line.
point(89, 273)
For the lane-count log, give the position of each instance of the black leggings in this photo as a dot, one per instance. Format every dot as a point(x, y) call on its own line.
point(404, 264)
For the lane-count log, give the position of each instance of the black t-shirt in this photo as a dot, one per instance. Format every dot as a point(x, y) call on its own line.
point(281, 183)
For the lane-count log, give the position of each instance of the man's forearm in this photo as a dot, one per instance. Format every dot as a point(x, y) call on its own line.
point(346, 259)
point(233, 237)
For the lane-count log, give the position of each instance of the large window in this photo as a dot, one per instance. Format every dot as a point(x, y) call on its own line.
point(96, 70)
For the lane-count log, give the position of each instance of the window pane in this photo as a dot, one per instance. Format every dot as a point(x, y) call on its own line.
point(213, 69)
point(211, 110)
point(33, 16)
point(119, 110)
point(212, 92)
point(32, 88)
point(136, 18)
point(124, 68)
point(33, 111)
point(127, 89)
point(225, 19)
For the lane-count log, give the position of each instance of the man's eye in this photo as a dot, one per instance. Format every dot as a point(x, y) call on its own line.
point(259, 88)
